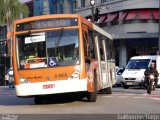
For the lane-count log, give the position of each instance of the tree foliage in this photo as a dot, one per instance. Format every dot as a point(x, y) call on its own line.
point(11, 10)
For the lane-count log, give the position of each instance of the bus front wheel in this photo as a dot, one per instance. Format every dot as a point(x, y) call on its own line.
point(37, 100)
point(92, 96)
point(125, 86)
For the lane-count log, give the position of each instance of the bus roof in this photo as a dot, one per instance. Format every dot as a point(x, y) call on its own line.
point(47, 17)
point(95, 27)
point(102, 31)
point(153, 57)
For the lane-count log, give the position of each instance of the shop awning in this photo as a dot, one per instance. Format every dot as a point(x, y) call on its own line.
point(131, 15)
point(123, 15)
point(155, 14)
point(102, 18)
point(144, 14)
point(111, 17)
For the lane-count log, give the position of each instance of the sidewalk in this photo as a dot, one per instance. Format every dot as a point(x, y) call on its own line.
point(6, 91)
point(6, 88)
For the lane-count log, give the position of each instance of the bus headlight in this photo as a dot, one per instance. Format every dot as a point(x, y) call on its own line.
point(75, 75)
point(23, 80)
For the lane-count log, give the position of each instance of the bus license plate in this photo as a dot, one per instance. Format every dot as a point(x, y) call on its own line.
point(48, 86)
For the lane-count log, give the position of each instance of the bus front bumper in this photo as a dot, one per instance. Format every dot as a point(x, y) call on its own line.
point(51, 87)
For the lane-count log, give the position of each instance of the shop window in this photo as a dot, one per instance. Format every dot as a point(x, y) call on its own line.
point(82, 3)
point(61, 9)
point(102, 1)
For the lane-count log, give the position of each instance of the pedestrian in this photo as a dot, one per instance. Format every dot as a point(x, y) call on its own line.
point(6, 79)
point(11, 78)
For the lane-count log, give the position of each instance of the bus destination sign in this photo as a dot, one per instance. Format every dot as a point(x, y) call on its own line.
point(47, 23)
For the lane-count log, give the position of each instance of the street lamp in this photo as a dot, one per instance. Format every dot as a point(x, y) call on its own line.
point(92, 2)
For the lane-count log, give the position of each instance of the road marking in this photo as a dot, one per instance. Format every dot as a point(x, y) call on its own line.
point(129, 94)
point(61, 104)
point(138, 97)
point(116, 94)
point(107, 96)
point(122, 96)
point(155, 98)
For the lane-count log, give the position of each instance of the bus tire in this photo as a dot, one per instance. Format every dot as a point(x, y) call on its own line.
point(37, 100)
point(125, 86)
point(109, 90)
point(92, 96)
point(103, 91)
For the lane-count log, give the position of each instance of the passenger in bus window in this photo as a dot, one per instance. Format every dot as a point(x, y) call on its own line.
point(32, 53)
point(41, 51)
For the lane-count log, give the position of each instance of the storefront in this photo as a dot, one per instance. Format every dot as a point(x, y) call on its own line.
point(127, 48)
point(4, 57)
point(141, 47)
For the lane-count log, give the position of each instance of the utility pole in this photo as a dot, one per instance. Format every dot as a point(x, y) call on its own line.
point(92, 2)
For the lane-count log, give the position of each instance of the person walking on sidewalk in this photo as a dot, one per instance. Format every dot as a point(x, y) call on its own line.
point(11, 78)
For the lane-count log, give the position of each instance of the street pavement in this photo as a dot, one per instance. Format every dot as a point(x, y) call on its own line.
point(130, 101)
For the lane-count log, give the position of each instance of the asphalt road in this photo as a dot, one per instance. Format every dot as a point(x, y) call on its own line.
point(128, 101)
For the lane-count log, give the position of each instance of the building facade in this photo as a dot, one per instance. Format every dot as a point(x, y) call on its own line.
point(42, 7)
point(4, 57)
point(134, 25)
point(5, 45)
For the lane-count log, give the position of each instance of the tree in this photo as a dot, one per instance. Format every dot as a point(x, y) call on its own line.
point(11, 10)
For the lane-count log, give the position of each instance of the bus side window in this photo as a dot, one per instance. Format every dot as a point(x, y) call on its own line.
point(91, 44)
point(85, 43)
point(112, 52)
point(101, 48)
point(108, 50)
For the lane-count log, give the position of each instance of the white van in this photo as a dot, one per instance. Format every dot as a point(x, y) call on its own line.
point(134, 71)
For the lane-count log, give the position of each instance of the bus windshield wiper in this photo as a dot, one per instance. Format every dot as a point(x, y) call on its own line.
point(57, 42)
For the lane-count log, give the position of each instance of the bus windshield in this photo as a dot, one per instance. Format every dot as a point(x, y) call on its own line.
point(48, 49)
point(138, 64)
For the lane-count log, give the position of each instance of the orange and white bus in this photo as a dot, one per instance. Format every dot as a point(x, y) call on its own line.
point(62, 53)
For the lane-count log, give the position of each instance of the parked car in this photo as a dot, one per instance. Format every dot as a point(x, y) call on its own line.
point(119, 72)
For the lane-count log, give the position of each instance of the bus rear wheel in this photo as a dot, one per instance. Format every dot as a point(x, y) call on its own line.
point(106, 91)
point(92, 96)
point(109, 90)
